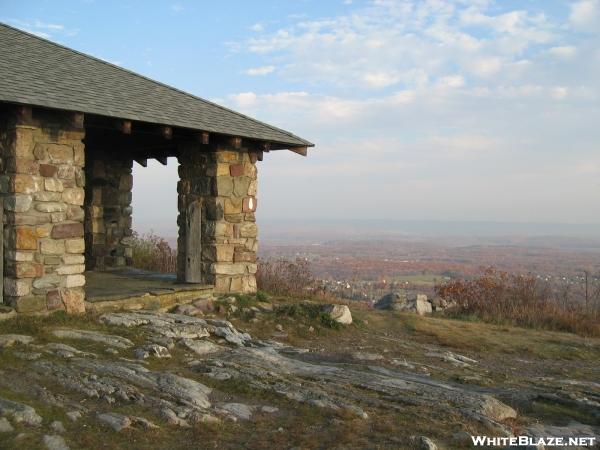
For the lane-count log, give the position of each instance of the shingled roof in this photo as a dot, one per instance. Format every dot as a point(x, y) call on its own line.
point(34, 71)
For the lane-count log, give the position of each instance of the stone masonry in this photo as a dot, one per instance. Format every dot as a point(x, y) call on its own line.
point(108, 212)
point(42, 185)
point(66, 208)
point(224, 183)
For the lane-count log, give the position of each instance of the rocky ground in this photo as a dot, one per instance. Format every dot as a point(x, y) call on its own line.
point(284, 374)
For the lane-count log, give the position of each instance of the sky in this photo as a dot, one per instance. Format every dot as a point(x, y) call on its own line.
point(427, 110)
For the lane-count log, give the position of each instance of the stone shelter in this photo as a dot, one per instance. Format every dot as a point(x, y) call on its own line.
point(71, 128)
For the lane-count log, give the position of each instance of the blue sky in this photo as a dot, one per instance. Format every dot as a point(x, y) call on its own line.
point(448, 110)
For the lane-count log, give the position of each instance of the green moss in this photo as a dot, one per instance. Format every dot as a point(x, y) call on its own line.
point(311, 311)
point(262, 296)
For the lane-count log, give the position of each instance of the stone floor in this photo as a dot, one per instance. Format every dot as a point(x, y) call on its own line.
point(128, 284)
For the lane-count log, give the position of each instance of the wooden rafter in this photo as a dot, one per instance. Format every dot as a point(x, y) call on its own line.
point(76, 120)
point(236, 142)
point(24, 114)
point(300, 150)
point(167, 132)
point(124, 126)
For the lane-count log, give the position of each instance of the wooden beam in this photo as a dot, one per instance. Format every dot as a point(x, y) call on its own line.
point(300, 150)
point(142, 162)
point(162, 160)
point(76, 120)
point(204, 137)
point(236, 142)
point(255, 155)
point(24, 114)
point(167, 132)
point(124, 126)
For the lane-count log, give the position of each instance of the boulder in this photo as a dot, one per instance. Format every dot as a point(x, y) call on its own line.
point(55, 442)
point(115, 421)
point(441, 304)
point(238, 410)
point(205, 305)
point(5, 426)
point(188, 310)
point(8, 340)
point(339, 313)
point(401, 301)
point(438, 303)
point(20, 412)
point(201, 347)
point(425, 443)
point(7, 313)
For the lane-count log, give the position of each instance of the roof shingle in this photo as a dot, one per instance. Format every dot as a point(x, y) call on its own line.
point(34, 71)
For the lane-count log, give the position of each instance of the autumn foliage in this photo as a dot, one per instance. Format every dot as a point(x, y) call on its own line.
point(283, 277)
point(523, 300)
point(151, 252)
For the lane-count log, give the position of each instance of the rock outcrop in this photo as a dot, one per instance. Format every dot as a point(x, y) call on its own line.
point(401, 301)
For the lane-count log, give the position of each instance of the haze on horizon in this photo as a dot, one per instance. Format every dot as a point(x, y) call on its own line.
point(433, 110)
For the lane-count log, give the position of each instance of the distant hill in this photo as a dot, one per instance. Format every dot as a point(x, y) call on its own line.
point(555, 235)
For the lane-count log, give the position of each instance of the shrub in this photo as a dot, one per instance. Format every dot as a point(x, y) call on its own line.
point(151, 252)
point(262, 296)
point(282, 277)
point(523, 300)
point(310, 311)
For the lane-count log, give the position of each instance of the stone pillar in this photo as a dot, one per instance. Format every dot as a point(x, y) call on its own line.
point(42, 184)
point(108, 212)
point(224, 182)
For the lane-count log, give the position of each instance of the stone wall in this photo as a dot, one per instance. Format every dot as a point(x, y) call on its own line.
point(42, 185)
point(224, 182)
point(108, 211)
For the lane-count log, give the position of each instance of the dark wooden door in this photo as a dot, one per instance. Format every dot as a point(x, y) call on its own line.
point(193, 244)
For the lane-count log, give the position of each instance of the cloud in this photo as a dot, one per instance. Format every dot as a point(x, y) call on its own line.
point(560, 92)
point(42, 29)
point(391, 44)
point(456, 109)
point(486, 67)
point(380, 79)
point(177, 7)
point(245, 99)
point(451, 81)
point(585, 15)
point(264, 70)
point(563, 51)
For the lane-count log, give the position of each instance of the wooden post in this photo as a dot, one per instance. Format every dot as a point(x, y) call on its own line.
point(193, 243)
point(1, 250)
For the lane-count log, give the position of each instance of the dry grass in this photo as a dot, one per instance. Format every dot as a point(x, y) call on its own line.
point(523, 300)
point(151, 252)
point(291, 279)
point(282, 277)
